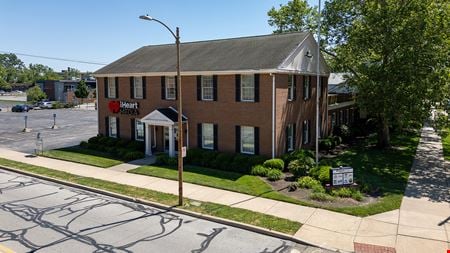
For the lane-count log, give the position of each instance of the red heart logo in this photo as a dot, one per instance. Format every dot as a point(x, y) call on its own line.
point(114, 106)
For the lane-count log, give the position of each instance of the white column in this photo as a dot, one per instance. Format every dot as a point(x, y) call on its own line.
point(148, 140)
point(171, 142)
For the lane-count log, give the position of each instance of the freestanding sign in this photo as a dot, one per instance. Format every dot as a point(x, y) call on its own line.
point(341, 176)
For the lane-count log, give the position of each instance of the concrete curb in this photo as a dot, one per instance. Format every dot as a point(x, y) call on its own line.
point(223, 221)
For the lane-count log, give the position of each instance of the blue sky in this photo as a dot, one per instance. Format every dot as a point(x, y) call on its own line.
point(102, 31)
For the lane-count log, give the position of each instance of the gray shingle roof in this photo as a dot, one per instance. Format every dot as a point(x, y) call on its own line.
point(247, 53)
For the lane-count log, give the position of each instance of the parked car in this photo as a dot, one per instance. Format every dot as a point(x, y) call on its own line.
point(45, 104)
point(20, 108)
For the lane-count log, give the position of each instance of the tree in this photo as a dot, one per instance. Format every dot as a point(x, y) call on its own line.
point(71, 73)
point(36, 72)
point(82, 90)
point(397, 52)
point(35, 94)
point(296, 15)
point(13, 67)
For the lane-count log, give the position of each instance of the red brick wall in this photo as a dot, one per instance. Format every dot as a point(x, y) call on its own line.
point(225, 112)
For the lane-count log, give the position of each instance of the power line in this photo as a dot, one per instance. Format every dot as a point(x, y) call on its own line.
point(53, 58)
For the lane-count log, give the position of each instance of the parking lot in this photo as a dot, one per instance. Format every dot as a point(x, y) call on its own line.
point(73, 126)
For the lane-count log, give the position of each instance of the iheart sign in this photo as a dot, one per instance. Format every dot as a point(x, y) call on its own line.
point(124, 107)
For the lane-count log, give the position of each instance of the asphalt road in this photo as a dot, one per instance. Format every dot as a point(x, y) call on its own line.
point(40, 216)
point(73, 126)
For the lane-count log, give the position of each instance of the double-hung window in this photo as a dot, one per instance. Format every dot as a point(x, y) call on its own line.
point(208, 136)
point(138, 88)
point(207, 88)
point(306, 132)
point(290, 137)
point(248, 88)
point(247, 140)
point(306, 87)
point(139, 134)
point(171, 89)
point(111, 87)
point(291, 87)
point(112, 127)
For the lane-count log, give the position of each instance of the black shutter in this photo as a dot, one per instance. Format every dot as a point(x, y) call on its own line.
point(238, 87)
point(294, 135)
point(304, 87)
point(105, 82)
point(287, 139)
point(310, 86)
point(144, 88)
point(294, 87)
point(106, 126)
point(216, 144)
point(199, 88)
point(304, 132)
point(176, 88)
point(133, 129)
point(163, 87)
point(309, 131)
point(256, 87)
point(215, 87)
point(118, 126)
point(238, 139)
point(117, 87)
point(256, 140)
point(199, 135)
point(131, 87)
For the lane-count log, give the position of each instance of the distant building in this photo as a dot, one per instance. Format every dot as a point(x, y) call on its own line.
point(341, 102)
point(64, 90)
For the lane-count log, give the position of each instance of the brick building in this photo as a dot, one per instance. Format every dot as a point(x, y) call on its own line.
point(342, 108)
point(253, 95)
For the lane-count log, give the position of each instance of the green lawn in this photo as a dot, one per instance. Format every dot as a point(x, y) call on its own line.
point(226, 180)
point(384, 172)
point(446, 143)
point(84, 156)
point(226, 212)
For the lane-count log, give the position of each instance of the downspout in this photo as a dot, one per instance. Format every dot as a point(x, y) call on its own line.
point(273, 114)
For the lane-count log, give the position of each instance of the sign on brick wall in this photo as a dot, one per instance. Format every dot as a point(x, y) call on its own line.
point(124, 107)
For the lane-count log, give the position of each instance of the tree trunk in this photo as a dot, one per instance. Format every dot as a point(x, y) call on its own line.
point(384, 140)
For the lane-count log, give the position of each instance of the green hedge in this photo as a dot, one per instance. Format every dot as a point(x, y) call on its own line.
point(124, 149)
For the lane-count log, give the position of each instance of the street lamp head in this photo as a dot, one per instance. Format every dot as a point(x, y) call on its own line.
point(146, 17)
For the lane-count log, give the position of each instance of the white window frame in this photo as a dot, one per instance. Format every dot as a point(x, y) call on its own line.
point(306, 132)
point(112, 93)
point(247, 140)
point(208, 140)
point(112, 127)
point(207, 86)
point(138, 86)
point(290, 137)
point(136, 130)
point(306, 87)
point(248, 86)
point(291, 87)
point(170, 85)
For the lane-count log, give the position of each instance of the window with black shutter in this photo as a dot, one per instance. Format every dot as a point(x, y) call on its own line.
point(237, 81)
point(163, 87)
point(215, 87)
point(117, 87)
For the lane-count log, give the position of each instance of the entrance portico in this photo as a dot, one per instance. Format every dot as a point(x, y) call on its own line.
point(168, 119)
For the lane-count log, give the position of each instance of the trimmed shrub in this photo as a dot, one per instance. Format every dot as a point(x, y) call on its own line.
point(318, 188)
point(194, 156)
point(357, 195)
point(326, 144)
point(259, 170)
point(274, 174)
point(307, 182)
point(322, 173)
point(297, 168)
point(293, 186)
point(136, 145)
point(320, 196)
point(84, 144)
point(223, 161)
point(208, 158)
point(274, 163)
point(342, 192)
point(133, 155)
point(241, 163)
point(337, 140)
point(122, 143)
point(162, 159)
point(172, 161)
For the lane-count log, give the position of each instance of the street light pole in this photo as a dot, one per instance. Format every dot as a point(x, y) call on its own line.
point(176, 35)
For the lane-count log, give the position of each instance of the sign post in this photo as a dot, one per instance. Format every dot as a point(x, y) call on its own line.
point(54, 121)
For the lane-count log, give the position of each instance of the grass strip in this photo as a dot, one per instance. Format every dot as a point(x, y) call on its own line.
point(83, 156)
point(218, 210)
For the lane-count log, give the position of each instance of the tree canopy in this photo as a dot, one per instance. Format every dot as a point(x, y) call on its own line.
point(398, 54)
point(82, 90)
point(35, 94)
point(296, 15)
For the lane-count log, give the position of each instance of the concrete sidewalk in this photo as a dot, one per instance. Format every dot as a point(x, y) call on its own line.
point(421, 225)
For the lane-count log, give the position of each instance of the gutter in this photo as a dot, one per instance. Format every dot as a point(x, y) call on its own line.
point(273, 114)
